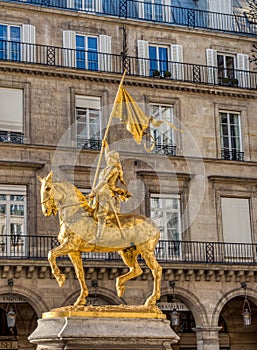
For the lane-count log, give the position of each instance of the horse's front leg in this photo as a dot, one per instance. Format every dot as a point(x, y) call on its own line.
point(62, 249)
point(79, 270)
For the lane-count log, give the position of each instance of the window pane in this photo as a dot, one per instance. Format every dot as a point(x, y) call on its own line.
point(17, 198)
point(80, 51)
point(2, 197)
point(92, 54)
point(163, 57)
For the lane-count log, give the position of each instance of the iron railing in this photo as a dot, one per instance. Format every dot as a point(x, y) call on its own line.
point(11, 137)
point(234, 154)
point(94, 144)
point(111, 63)
point(37, 247)
point(152, 12)
point(164, 148)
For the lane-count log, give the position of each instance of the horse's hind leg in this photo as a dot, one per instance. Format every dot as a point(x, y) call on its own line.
point(156, 269)
point(79, 270)
point(129, 256)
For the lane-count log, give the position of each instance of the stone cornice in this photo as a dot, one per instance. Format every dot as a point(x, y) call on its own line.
point(102, 270)
point(154, 83)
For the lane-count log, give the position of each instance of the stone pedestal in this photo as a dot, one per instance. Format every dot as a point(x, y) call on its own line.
point(102, 333)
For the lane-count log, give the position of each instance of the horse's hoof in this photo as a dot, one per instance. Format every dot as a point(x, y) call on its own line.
point(120, 291)
point(150, 302)
point(80, 301)
point(61, 280)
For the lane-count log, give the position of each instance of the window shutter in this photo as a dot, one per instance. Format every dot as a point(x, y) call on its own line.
point(218, 19)
point(243, 67)
point(28, 52)
point(105, 61)
point(11, 112)
point(141, 10)
point(167, 11)
point(220, 6)
point(69, 52)
point(143, 57)
point(212, 69)
point(98, 6)
point(176, 56)
point(70, 4)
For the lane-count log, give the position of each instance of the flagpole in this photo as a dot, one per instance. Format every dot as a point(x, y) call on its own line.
point(107, 130)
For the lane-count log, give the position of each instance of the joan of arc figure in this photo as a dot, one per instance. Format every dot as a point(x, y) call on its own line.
point(106, 194)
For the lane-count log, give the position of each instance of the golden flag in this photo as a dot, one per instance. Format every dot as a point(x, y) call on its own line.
point(128, 111)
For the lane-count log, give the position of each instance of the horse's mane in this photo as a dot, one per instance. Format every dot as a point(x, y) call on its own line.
point(72, 189)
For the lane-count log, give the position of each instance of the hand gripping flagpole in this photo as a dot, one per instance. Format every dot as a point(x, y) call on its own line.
point(107, 130)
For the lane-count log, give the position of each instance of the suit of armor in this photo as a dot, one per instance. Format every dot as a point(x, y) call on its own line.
point(107, 195)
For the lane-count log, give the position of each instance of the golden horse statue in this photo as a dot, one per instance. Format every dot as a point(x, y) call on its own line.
point(134, 235)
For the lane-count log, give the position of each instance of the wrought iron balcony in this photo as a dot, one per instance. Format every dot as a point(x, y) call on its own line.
point(152, 12)
point(53, 56)
point(232, 154)
point(94, 144)
point(11, 137)
point(164, 148)
point(186, 252)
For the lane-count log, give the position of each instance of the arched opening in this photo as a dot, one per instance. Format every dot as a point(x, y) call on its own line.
point(25, 322)
point(233, 334)
point(185, 328)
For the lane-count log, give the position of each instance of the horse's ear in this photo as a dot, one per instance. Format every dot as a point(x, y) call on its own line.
point(50, 176)
point(40, 179)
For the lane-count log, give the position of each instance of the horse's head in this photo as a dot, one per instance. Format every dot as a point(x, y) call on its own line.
point(48, 203)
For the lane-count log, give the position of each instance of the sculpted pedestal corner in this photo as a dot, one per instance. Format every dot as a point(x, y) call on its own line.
point(111, 330)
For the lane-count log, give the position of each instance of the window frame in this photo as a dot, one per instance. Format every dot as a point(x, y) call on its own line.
point(230, 149)
point(87, 52)
point(10, 43)
point(88, 110)
point(13, 244)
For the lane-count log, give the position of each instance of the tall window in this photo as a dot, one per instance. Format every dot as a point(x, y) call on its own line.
point(88, 122)
point(86, 52)
point(236, 226)
point(226, 66)
point(12, 219)
point(164, 135)
point(230, 133)
point(11, 115)
point(161, 58)
point(153, 10)
point(10, 38)
point(228, 69)
point(158, 56)
point(165, 212)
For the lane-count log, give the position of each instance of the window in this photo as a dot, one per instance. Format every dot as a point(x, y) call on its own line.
point(153, 57)
point(88, 122)
point(164, 135)
point(219, 14)
point(158, 56)
point(226, 66)
point(236, 228)
point(230, 134)
point(85, 5)
point(11, 115)
point(155, 10)
point(86, 51)
point(16, 42)
point(228, 69)
point(10, 37)
point(12, 220)
point(165, 212)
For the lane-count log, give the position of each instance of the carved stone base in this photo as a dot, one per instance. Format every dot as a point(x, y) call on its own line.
point(102, 333)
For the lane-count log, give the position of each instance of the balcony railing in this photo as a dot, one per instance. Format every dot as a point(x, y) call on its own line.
point(94, 144)
point(53, 56)
point(232, 155)
point(150, 11)
point(37, 247)
point(11, 137)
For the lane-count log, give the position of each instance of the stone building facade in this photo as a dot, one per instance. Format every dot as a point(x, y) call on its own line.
point(187, 62)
